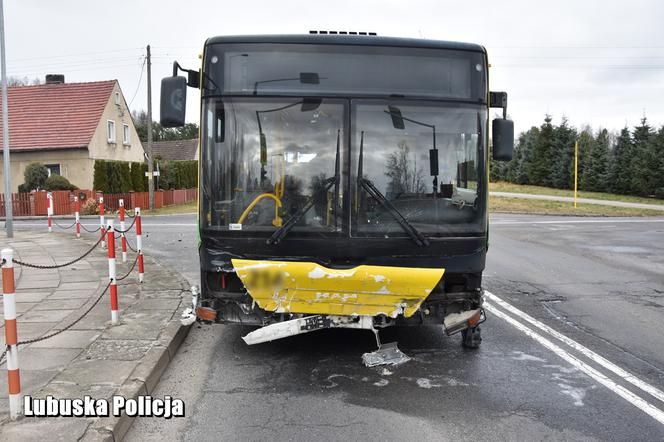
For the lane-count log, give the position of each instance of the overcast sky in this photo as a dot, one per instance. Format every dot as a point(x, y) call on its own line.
point(597, 62)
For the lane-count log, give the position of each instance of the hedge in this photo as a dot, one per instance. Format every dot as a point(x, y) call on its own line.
point(112, 176)
point(121, 177)
point(178, 174)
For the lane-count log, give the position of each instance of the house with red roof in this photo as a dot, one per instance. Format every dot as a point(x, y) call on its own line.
point(67, 126)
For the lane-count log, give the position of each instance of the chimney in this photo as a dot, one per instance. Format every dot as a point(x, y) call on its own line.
point(55, 79)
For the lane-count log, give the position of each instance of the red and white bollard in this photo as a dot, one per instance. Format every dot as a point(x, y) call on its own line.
point(77, 212)
point(122, 227)
point(101, 221)
point(112, 273)
point(139, 245)
point(11, 335)
point(49, 211)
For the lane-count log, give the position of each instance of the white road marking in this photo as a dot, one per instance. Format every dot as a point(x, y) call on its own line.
point(629, 377)
point(577, 221)
point(621, 391)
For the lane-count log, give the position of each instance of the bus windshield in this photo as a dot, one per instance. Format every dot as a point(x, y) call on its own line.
point(267, 160)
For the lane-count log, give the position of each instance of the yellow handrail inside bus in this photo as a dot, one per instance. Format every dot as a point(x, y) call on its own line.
point(277, 205)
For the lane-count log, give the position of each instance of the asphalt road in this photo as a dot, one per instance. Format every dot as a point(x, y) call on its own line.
point(573, 350)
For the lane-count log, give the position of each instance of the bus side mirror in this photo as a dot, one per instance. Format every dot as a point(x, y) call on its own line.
point(503, 139)
point(173, 101)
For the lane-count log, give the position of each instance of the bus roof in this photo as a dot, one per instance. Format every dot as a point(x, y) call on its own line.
point(336, 39)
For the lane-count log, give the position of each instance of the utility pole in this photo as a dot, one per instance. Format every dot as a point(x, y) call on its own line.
point(149, 149)
point(6, 167)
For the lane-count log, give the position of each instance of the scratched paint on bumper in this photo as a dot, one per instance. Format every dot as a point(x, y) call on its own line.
point(306, 287)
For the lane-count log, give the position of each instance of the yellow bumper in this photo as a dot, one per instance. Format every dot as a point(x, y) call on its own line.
point(306, 287)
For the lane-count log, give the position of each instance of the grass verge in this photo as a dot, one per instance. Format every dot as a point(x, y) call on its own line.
point(502, 186)
point(172, 210)
point(542, 207)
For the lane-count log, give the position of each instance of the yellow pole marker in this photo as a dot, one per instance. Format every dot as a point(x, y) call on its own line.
point(576, 169)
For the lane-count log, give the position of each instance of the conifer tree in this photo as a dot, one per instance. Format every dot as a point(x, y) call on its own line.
point(621, 157)
point(562, 155)
point(595, 173)
point(100, 177)
point(540, 164)
point(137, 177)
point(640, 164)
point(657, 163)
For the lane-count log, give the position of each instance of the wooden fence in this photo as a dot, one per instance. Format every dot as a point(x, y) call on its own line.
point(36, 203)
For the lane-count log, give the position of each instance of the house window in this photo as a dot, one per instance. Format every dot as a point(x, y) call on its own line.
point(126, 140)
point(117, 98)
point(53, 169)
point(110, 125)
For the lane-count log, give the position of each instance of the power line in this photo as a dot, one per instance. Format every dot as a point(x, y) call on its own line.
point(76, 63)
point(139, 82)
point(95, 67)
point(76, 55)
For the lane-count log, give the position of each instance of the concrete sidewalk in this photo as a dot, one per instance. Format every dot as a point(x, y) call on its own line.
point(93, 357)
point(578, 200)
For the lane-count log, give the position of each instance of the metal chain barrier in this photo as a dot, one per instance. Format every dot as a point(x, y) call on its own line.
point(128, 228)
point(129, 245)
point(130, 270)
point(57, 266)
point(63, 227)
point(32, 341)
point(90, 231)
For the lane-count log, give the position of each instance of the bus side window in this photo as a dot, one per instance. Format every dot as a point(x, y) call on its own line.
point(219, 123)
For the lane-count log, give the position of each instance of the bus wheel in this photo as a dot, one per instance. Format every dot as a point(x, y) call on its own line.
point(471, 337)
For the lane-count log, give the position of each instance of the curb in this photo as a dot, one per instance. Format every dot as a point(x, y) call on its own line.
point(145, 376)
point(142, 381)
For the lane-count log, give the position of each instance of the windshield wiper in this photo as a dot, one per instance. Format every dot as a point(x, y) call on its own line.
point(281, 232)
point(417, 237)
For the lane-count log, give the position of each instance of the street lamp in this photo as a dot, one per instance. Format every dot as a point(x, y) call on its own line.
point(398, 123)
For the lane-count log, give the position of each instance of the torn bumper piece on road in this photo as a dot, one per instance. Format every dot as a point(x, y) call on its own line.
point(387, 354)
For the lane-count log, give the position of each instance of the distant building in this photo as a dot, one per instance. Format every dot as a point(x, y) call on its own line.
point(179, 150)
point(67, 126)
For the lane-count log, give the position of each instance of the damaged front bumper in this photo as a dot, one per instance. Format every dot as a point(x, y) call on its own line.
point(453, 323)
point(307, 324)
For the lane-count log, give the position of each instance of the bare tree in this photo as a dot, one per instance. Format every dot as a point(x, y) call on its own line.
point(22, 81)
point(405, 176)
